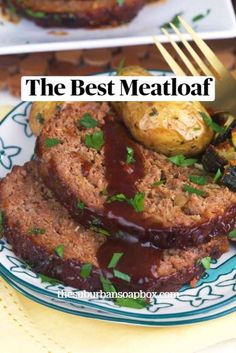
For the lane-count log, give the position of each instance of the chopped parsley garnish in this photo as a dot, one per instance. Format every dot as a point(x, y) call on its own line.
point(40, 119)
point(52, 281)
point(217, 176)
point(209, 122)
point(96, 140)
point(134, 303)
point(130, 155)
point(121, 275)
point(232, 234)
point(206, 262)
point(175, 20)
point(37, 231)
point(35, 14)
point(100, 230)
point(108, 287)
point(87, 121)
point(80, 205)
point(192, 190)
point(182, 161)
point(115, 259)
point(158, 183)
point(198, 179)
point(85, 270)
point(1, 223)
point(153, 112)
point(137, 202)
point(201, 16)
point(59, 250)
point(51, 142)
point(120, 2)
point(117, 197)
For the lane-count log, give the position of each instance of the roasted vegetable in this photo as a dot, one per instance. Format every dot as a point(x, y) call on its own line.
point(40, 113)
point(168, 127)
point(229, 124)
point(212, 161)
point(229, 177)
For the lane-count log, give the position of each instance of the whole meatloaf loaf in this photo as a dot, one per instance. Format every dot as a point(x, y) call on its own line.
point(77, 13)
point(94, 167)
point(46, 237)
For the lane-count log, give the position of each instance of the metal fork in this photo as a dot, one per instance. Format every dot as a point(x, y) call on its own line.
point(211, 66)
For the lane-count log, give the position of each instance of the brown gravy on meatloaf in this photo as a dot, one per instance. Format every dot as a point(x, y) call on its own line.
point(140, 260)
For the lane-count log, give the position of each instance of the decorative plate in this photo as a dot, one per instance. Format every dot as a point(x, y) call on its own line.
point(214, 294)
point(26, 37)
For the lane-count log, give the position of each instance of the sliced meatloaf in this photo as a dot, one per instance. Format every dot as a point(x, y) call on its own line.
point(77, 13)
point(86, 168)
point(45, 236)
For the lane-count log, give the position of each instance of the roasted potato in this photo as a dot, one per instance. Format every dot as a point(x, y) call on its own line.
point(170, 128)
point(40, 113)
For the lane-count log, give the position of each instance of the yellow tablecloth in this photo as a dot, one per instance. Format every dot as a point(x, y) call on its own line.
point(27, 327)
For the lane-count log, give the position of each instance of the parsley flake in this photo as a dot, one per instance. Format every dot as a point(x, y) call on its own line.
point(115, 259)
point(85, 270)
point(96, 140)
point(87, 121)
point(59, 250)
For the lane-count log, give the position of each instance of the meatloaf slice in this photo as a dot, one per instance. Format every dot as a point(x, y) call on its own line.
point(171, 216)
point(76, 13)
point(38, 227)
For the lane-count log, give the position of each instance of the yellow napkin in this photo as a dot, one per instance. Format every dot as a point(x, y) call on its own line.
point(27, 327)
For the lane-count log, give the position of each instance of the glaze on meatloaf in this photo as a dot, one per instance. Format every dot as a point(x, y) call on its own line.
point(78, 176)
point(36, 224)
point(77, 13)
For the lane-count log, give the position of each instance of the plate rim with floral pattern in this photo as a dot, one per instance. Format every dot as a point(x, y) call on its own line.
point(99, 315)
point(15, 126)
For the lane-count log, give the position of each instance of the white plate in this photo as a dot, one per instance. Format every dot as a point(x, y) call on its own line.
point(27, 37)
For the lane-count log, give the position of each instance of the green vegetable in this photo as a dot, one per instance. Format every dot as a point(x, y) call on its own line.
point(182, 161)
point(175, 20)
point(51, 142)
point(232, 234)
point(217, 176)
point(100, 230)
point(50, 280)
point(96, 140)
point(206, 262)
point(138, 201)
point(37, 14)
point(134, 303)
point(198, 179)
point(108, 287)
point(201, 16)
point(121, 275)
point(37, 231)
point(209, 122)
point(87, 121)
point(85, 270)
point(117, 197)
point(80, 205)
point(120, 2)
point(59, 250)
point(120, 65)
point(130, 155)
point(115, 259)
point(192, 190)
